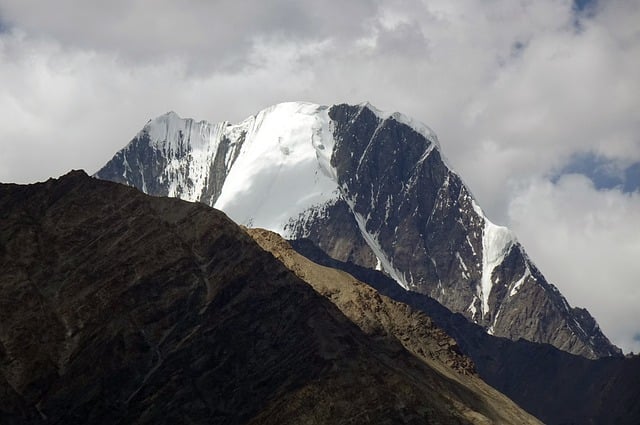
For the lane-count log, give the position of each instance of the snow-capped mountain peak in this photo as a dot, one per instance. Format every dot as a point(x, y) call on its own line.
point(365, 186)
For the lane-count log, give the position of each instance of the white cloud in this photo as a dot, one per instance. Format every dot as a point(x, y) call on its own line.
point(587, 242)
point(514, 89)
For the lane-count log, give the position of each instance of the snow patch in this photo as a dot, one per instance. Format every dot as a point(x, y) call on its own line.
point(378, 265)
point(472, 308)
point(496, 243)
point(495, 320)
point(462, 264)
point(283, 168)
point(470, 245)
point(518, 284)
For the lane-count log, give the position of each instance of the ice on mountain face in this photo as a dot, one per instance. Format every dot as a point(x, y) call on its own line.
point(464, 273)
point(472, 308)
point(495, 320)
point(323, 143)
point(170, 132)
point(372, 240)
point(283, 167)
point(189, 148)
point(496, 243)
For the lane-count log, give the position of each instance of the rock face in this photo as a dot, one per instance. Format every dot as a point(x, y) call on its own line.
point(116, 307)
point(366, 187)
point(555, 386)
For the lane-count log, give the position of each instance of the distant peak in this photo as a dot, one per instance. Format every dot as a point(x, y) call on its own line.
point(73, 178)
point(171, 114)
point(74, 174)
point(418, 126)
point(167, 117)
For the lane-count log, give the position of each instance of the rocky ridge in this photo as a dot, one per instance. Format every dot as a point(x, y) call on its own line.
point(117, 307)
point(382, 317)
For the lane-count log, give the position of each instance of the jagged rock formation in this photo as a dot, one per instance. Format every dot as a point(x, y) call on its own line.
point(117, 307)
point(366, 187)
point(555, 386)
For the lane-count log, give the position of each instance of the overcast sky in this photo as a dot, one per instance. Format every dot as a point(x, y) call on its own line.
point(536, 103)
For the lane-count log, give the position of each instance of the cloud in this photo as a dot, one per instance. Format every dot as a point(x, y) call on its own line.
point(74, 109)
point(514, 89)
point(585, 240)
point(204, 35)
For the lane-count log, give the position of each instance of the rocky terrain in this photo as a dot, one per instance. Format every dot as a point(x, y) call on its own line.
point(117, 307)
point(557, 387)
point(382, 317)
point(367, 187)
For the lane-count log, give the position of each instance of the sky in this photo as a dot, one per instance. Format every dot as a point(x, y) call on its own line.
point(536, 103)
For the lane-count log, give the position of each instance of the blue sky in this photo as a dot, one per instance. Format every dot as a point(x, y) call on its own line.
point(603, 172)
point(535, 102)
point(584, 5)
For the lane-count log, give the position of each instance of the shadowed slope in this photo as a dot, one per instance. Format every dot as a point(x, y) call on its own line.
point(117, 307)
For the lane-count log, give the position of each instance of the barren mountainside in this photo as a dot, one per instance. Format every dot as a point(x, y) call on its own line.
point(367, 187)
point(117, 307)
point(557, 387)
point(382, 317)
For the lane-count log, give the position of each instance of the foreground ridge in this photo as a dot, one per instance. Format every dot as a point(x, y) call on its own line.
point(117, 307)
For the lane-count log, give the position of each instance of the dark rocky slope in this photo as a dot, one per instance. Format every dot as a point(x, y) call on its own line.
point(555, 386)
point(423, 218)
point(116, 307)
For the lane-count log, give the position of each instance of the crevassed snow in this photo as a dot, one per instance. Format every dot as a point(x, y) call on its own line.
point(496, 243)
point(283, 167)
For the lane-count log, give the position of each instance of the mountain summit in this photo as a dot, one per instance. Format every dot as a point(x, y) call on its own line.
point(367, 187)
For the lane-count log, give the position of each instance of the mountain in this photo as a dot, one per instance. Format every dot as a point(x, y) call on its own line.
point(117, 307)
point(367, 187)
point(382, 316)
point(557, 387)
